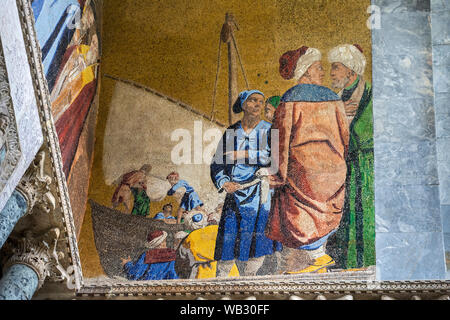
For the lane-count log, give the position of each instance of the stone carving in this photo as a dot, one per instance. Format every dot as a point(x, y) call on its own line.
point(39, 252)
point(9, 138)
point(35, 186)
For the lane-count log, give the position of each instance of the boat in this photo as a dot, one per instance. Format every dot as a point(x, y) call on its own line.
point(120, 235)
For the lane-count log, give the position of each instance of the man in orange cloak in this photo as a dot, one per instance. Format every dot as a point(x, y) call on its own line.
point(313, 139)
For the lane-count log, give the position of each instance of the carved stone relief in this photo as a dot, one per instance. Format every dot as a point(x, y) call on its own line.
point(9, 139)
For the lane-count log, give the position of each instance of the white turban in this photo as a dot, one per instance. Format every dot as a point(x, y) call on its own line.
point(305, 61)
point(154, 243)
point(350, 56)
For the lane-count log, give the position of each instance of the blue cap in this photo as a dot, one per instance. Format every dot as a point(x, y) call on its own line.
point(243, 96)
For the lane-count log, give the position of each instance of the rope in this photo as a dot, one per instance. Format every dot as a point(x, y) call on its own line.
point(240, 61)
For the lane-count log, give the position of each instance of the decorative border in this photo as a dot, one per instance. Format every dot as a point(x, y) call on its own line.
point(342, 283)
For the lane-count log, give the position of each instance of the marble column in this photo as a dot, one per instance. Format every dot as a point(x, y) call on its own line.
point(19, 282)
point(440, 32)
point(32, 259)
point(15, 208)
point(409, 242)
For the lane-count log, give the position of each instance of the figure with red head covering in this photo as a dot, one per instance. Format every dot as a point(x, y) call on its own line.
point(158, 263)
point(309, 186)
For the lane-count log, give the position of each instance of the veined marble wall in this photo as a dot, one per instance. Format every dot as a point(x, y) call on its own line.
point(440, 32)
point(409, 237)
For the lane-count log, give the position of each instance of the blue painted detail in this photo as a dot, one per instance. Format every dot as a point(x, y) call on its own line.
point(37, 5)
point(190, 198)
point(55, 28)
point(140, 270)
point(309, 93)
point(317, 244)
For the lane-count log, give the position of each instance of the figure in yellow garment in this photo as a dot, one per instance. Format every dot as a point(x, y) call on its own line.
point(197, 249)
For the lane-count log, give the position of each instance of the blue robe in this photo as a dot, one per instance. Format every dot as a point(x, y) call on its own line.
point(161, 215)
point(244, 218)
point(155, 271)
point(190, 198)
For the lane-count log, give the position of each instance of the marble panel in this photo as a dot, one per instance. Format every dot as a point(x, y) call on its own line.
point(408, 163)
point(443, 126)
point(399, 6)
point(441, 68)
point(440, 27)
point(442, 103)
point(445, 213)
point(403, 119)
point(439, 5)
point(410, 256)
point(407, 208)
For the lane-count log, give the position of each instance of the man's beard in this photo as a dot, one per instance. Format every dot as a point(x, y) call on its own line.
point(339, 84)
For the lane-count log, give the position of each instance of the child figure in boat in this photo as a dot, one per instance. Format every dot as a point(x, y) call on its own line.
point(190, 200)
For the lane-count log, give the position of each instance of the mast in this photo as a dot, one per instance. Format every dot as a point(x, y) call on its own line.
point(228, 38)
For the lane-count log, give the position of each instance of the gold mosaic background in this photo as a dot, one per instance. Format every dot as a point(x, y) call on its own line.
point(171, 46)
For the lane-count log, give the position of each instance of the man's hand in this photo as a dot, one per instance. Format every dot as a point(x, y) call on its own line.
point(231, 187)
point(125, 261)
point(275, 181)
point(236, 155)
point(170, 221)
point(350, 108)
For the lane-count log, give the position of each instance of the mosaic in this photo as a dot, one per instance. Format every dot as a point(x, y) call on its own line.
point(236, 140)
point(69, 36)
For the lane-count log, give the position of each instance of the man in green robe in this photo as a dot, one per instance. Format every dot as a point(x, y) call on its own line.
point(354, 242)
point(135, 183)
point(141, 202)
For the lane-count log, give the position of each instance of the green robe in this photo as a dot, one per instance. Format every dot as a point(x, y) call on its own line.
point(141, 202)
point(355, 238)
